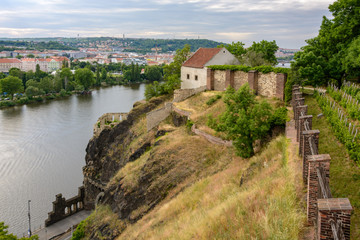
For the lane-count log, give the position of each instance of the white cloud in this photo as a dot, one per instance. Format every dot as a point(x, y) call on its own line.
point(251, 5)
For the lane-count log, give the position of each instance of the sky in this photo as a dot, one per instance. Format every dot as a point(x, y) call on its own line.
point(288, 22)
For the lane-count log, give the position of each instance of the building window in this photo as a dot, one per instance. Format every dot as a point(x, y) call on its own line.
point(196, 77)
point(187, 76)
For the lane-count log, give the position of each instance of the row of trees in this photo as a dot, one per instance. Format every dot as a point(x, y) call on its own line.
point(261, 53)
point(39, 82)
point(334, 54)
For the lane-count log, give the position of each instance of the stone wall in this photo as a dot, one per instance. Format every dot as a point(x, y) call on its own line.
point(267, 85)
point(108, 120)
point(182, 94)
point(219, 80)
point(240, 78)
point(63, 208)
point(155, 117)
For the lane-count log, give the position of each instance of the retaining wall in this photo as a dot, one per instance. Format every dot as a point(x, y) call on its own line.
point(63, 208)
point(265, 84)
point(108, 120)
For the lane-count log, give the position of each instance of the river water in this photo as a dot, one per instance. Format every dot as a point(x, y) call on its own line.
point(42, 151)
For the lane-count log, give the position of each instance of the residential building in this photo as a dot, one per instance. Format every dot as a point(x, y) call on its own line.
point(7, 63)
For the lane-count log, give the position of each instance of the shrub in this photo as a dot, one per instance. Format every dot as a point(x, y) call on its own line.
point(212, 100)
point(79, 232)
point(22, 100)
point(62, 93)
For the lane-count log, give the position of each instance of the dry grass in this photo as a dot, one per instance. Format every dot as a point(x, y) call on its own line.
point(128, 176)
point(216, 207)
point(103, 218)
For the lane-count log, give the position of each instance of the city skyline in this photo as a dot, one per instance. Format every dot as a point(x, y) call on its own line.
point(223, 20)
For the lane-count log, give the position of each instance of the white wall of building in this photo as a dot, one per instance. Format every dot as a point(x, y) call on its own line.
point(188, 75)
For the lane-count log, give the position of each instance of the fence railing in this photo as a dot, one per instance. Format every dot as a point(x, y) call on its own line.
point(330, 216)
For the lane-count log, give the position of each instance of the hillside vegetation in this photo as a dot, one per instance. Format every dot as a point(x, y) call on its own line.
point(184, 187)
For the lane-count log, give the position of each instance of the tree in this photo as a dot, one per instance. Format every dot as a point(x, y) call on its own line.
point(84, 77)
point(236, 48)
point(180, 57)
point(11, 85)
point(66, 76)
point(46, 84)
point(98, 79)
point(245, 119)
point(153, 73)
point(351, 62)
point(254, 59)
point(330, 47)
point(267, 49)
point(103, 74)
point(32, 91)
point(4, 235)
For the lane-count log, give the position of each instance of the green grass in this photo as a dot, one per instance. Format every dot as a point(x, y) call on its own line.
point(344, 173)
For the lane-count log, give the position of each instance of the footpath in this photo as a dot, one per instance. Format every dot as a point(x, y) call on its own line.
point(61, 227)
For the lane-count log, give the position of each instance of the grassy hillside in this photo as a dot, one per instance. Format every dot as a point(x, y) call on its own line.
point(266, 206)
point(185, 187)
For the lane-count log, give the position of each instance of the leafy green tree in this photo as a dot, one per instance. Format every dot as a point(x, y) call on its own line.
point(32, 83)
point(16, 72)
point(2, 75)
point(245, 119)
point(84, 77)
point(267, 49)
point(351, 62)
point(98, 79)
point(180, 57)
point(153, 73)
point(66, 76)
point(153, 90)
point(330, 47)
point(30, 56)
point(5, 235)
point(32, 91)
point(254, 59)
point(46, 84)
point(236, 48)
point(103, 74)
point(11, 85)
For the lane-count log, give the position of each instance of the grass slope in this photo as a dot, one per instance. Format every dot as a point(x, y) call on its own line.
point(344, 173)
point(266, 206)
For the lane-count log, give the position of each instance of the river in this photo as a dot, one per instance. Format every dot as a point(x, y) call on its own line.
point(42, 151)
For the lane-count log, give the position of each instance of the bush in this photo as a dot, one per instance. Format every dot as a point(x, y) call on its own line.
point(23, 100)
point(7, 103)
point(262, 69)
point(62, 93)
point(212, 100)
point(79, 232)
point(280, 117)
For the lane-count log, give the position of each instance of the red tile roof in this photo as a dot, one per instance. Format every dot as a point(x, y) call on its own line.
point(201, 57)
point(9, 60)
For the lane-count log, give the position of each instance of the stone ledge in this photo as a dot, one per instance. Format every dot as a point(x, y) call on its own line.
point(334, 204)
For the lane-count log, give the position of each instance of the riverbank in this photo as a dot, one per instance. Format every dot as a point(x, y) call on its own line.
point(53, 96)
point(43, 146)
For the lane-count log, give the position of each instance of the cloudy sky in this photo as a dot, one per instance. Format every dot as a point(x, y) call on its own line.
point(289, 22)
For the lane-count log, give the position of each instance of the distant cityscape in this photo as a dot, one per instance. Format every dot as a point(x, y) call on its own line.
point(98, 51)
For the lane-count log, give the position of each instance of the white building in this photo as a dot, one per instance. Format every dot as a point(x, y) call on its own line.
point(194, 70)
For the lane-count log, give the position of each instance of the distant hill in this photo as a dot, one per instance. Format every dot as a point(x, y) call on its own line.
point(11, 45)
point(140, 45)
